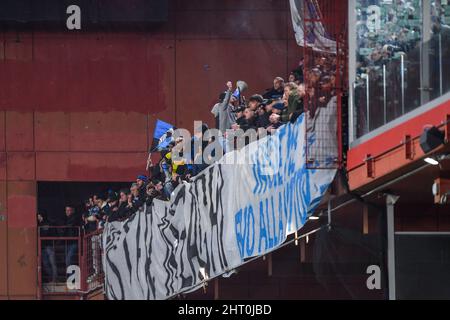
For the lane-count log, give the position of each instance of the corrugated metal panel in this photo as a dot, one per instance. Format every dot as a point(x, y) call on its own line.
point(21, 204)
point(52, 131)
point(22, 238)
point(18, 46)
point(90, 166)
point(19, 131)
point(213, 62)
point(2, 130)
point(21, 165)
point(2, 166)
point(22, 275)
point(106, 166)
point(3, 242)
point(52, 166)
point(2, 47)
point(95, 73)
point(108, 131)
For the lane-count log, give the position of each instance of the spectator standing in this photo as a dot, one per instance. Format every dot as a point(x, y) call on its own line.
point(104, 210)
point(158, 187)
point(215, 109)
point(276, 92)
point(113, 204)
point(278, 107)
point(155, 171)
point(123, 210)
point(47, 248)
point(141, 182)
point(294, 103)
point(137, 199)
point(249, 121)
point(263, 113)
point(91, 216)
point(255, 102)
point(73, 224)
point(227, 114)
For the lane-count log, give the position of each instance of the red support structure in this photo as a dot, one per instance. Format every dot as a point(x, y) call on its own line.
point(370, 167)
point(409, 152)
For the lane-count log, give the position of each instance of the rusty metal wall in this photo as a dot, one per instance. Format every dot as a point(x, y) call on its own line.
point(81, 106)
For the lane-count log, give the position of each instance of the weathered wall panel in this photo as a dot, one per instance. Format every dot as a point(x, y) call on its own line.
point(19, 131)
point(22, 242)
point(21, 166)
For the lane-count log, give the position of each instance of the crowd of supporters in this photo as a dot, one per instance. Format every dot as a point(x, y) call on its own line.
point(306, 90)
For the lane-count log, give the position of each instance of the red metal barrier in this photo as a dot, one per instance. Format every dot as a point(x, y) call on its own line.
point(62, 247)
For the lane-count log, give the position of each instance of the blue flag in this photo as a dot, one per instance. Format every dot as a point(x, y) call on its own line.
point(164, 144)
point(237, 94)
point(161, 129)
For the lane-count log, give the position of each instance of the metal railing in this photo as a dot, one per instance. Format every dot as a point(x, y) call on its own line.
point(69, 261)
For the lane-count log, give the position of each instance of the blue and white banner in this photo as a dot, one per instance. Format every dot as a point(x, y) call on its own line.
point(228, 213)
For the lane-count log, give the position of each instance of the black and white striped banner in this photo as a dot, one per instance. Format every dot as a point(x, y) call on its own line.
point(230, 212)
